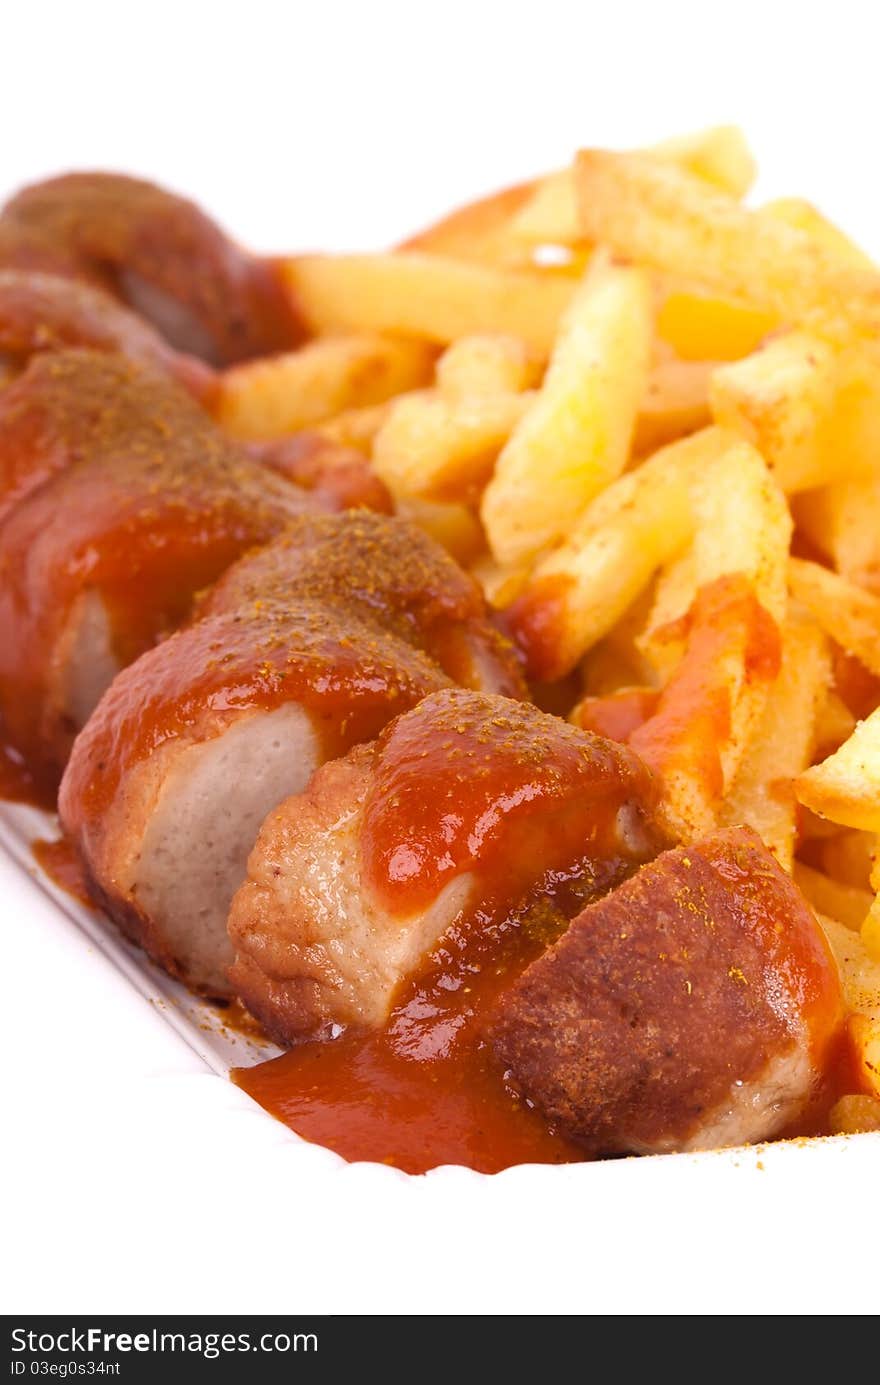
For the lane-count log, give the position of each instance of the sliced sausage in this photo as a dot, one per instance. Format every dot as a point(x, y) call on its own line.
point(158, 253)
point(302, 650)
point(470, 812)
point(696, 1006)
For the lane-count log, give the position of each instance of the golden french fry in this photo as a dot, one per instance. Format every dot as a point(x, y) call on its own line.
point(720, 156)
point(841, 521)
point(654, 213)
point(676, 402)
point(575, 438)
point(477, 231)
point(743, 526)
point(426, 296)
point(761, 793)
point(778, 399)
point(443, 443)
point(276, 395)
point(485, 364)
point(454, 526)
point(812, 410)
point(803, 216)
point(848, 614)
point(834, 724)
point(855, 1115)
point(579, 591)
point(442, 448)
point(860, 975)
point(849, 858)
point(662, 638)
point(500, 585)
point(549, 216)
point(356, 428)
point(708, 710)
point(702, 326)
point(870, 931)
point(846, 903)
point(715, 699)
point(846, 786)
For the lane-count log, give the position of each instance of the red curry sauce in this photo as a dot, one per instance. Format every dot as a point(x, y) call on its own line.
point(511, 801)
point(62, 865)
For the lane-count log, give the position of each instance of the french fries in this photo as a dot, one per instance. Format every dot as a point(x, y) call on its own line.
point(656, 214)
point(811, 409)
point(715, 699)
point(702, 326)
point(436, 447)
point(356, 428)
point(846, 903)
point(431, 297)
point(622, 399)
point(477, 231)
point(696, 739)
point(840, 520)
point(860, 974)
point(846, 786)
point(743, 526)
point(276, 395)
point(576, 437)
point(454, 526)
point(719, 156)
point(845, 612)
point(803, 216)
point(581, 590)
point(485, 364)
point(675, 402)
point(761, 792)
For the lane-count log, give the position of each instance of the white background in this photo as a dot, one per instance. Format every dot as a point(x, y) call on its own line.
point(138, 1181)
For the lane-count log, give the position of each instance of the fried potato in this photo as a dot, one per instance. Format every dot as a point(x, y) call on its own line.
point(841, 521)
point(444, 448)
point(454, 526)
point(761, 793)
point(803, 216)
point(855, 1115)
point(276, 395)
point(549, 216)
point(356, 428)
point(848, 614)
point(655, 214)
point(702, 326)
point(720, 156)
point(714, 702)
point(846, 786)
point(711, 704)
point(576, 437)
point(675, 403)
point(860, 975)
point(486, 364)
point(501, 585)
point(848, 857)
point(812, 410)
point(662, 639)
point(846, 903)
point(834, 724)
point(580, 590)
point(427, 296)
point(743, 526)
point(477, 231)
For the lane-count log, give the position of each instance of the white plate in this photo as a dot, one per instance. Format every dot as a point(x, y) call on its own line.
point(736, 1231)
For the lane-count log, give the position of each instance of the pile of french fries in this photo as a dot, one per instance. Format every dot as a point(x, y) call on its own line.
point(647, 418)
